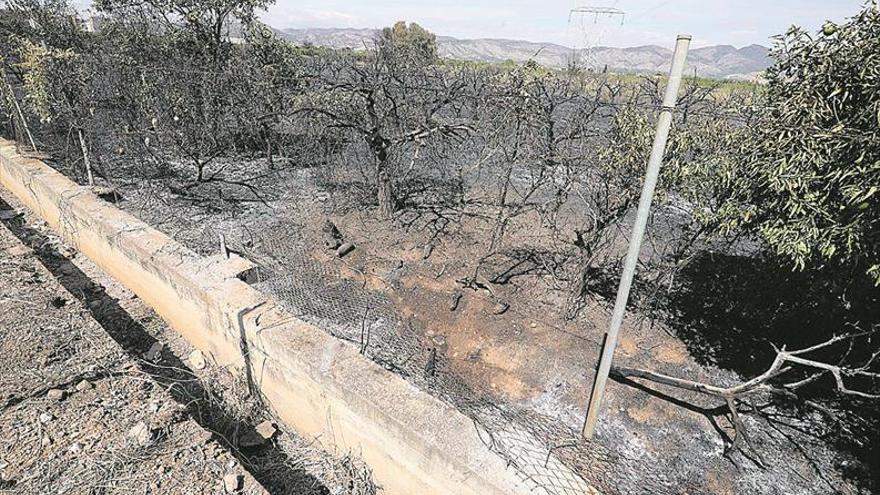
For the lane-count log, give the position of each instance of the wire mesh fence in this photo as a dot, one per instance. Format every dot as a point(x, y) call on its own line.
point(547, 455)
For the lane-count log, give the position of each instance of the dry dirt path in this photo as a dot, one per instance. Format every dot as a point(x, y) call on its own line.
point(77, 415)
point(99, 395)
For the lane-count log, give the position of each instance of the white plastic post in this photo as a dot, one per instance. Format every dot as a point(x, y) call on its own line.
point(632, 256)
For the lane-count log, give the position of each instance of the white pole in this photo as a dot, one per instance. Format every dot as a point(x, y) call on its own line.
point(85, 152)
point(632, 256)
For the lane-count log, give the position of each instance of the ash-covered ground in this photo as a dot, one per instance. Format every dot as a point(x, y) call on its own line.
point(506, 356)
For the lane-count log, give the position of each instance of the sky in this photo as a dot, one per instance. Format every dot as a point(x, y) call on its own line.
point(646, 22)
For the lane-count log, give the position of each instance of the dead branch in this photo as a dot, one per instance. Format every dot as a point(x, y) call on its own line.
point(784, 363)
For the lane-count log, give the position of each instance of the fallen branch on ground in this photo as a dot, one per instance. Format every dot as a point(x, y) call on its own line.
point(784, 363)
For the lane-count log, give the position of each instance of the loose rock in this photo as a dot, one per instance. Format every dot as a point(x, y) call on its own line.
point(46, 417)
point(19, 250)
point(83, 385)
point(266, 430)
point(142, 434)
point(427, 250)
point(500, 308)
point(232, 483)
point(344, 249)
point(332, 236)
point(454, 300)
point(203, 437)
point(55, 394)
point(155, 352)
point(197, 360)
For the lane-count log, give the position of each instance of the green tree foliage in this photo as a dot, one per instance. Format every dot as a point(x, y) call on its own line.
point(408, 43)
point(47, 22)
point(46, 47)
point(808, 177)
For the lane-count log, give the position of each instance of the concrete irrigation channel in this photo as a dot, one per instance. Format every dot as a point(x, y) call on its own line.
point(318, 385)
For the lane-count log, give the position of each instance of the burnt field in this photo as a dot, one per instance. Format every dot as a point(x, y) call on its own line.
point(512, 356)
point(464, 226)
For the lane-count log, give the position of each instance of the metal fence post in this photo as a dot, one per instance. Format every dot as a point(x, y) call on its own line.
point(632, 256)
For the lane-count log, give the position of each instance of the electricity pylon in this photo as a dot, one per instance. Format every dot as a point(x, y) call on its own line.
point(588, 37)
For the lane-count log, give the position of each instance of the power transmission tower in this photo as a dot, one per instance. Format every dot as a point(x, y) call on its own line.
point(589, 37)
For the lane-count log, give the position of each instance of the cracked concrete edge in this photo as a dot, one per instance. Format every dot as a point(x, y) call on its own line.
point(324, 389)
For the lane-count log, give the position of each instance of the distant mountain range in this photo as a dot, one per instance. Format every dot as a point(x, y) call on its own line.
point(718, 62)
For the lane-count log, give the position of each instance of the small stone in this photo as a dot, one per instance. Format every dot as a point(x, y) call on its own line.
point(155, 352)
point(500, 308)
point(83, 385)
point(266, 430)
point(454, 300)
point(332, 236)
point(197, 360)
point(141, 433)
point(427, 250)
point(19, 250)
point(46, 441)
point(75, 448)
point(232, 483)
point(46, 417)
point(344, 249)
point(55, 394)
point(533, 325)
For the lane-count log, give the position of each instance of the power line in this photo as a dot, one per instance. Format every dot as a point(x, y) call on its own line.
point(651, 9)
point(597, 11)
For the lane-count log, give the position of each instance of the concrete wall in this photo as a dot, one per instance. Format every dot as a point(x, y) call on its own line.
point(323, 388)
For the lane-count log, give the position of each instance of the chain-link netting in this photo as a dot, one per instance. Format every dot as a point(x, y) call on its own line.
point(546, 454)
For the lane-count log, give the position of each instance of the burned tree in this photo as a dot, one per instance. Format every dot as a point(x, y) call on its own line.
point(180, 66)
point(397, 107)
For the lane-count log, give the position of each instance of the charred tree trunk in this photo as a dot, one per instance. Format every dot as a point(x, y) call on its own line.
point(384, 185)
point(384, 191)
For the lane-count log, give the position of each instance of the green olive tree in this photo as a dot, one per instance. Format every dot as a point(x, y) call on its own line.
point(806, 179)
